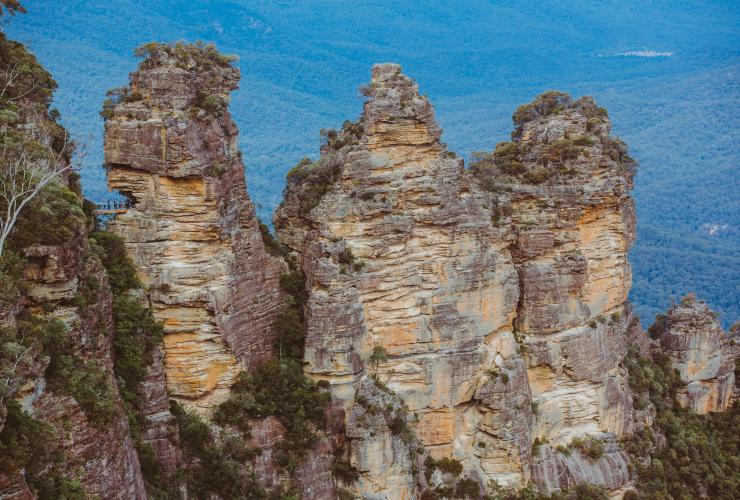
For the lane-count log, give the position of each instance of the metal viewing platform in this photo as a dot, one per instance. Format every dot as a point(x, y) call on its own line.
point(112, 207)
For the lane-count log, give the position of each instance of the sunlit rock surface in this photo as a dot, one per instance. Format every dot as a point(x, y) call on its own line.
point(171, 148)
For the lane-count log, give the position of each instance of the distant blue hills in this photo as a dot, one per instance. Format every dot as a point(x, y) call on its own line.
point(668, 72)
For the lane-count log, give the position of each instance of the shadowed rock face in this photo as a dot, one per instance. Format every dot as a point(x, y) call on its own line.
point(171, 147)
point(456, 275)
point(101, 456)
point(703, 355)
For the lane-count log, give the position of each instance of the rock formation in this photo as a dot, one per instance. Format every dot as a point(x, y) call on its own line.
point(703, 355)
point(171, 148)
point(66, 284)
point(103, 453)
point(499, 297)
point(565, 183)
point(63, 422)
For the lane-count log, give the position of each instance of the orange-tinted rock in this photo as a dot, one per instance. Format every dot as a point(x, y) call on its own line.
point(192, 230)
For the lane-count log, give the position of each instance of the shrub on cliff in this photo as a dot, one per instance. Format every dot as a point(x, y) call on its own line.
point(278, 389)
point(53, 217)
point(310, 180)
point(700, 454)
point(216, 466)
point(547, 103)
point(200, 55)
point(589, 446)
point(68, 373)
point(22, 78)
point(118, 265)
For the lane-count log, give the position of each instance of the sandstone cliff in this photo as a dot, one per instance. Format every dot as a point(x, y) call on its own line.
point(64, 430)
point(171, 148)
point(703, 355)
point(97, 451)
point(499, 297)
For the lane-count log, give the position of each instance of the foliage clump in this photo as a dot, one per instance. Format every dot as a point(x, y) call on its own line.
point(22, 79)
point(699, 456)
point(272, 245)
point(589, 446)
point(310, 180)
point(198, 55)
point(278, 389)
point(216, 462)
point(53, 217)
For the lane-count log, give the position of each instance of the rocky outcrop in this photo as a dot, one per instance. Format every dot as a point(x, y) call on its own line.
point(703, 355)
point(565, 181)
point(499, 297)
point(159, 427)
point(554, 469)
point(399, 255)
point(100, 455)
point(171, 148)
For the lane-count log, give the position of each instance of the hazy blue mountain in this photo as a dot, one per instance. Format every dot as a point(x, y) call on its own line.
point(667, 71)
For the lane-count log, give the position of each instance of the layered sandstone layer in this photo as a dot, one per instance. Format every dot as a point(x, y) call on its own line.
point(171, 148)
point(703, 355)
point(565, 181)
point(101, 456)
point(499, 298)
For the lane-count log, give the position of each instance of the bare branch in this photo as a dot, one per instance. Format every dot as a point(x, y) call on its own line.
point(23, 175)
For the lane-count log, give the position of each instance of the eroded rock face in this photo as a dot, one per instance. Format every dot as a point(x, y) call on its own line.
point(171, 148)
point(702, 353)
point(565, 183)
point(399, 254)
point(500, 297)
point(554, 470)
point(101, 456)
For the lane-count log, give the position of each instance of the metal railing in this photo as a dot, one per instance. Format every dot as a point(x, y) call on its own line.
point(112, 207)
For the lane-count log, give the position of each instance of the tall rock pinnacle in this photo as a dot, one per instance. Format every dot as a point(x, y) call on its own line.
point(171, 148)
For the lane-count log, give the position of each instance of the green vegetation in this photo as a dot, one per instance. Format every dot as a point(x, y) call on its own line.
point(344, 471)
point(700, 456)
point(53, 217)
point(378, 356)
point(118, 265)
point(25, 443)
point(589, 446)
point(278, 389)
point(562, 150)
point(582, 491)
point(452, 487)
point(310, 180)
point(216, 462)
point(199, 55)
point(116, 96)
point(272, 245)
point(68, 373)
point(659, 326)
point(137, 334)
point(288, 325)
point(24, 80)
point(548, 103)
point(349, 135)
point(506, 158)
point(348, 261)
point(537, 441)
point(11, 271)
